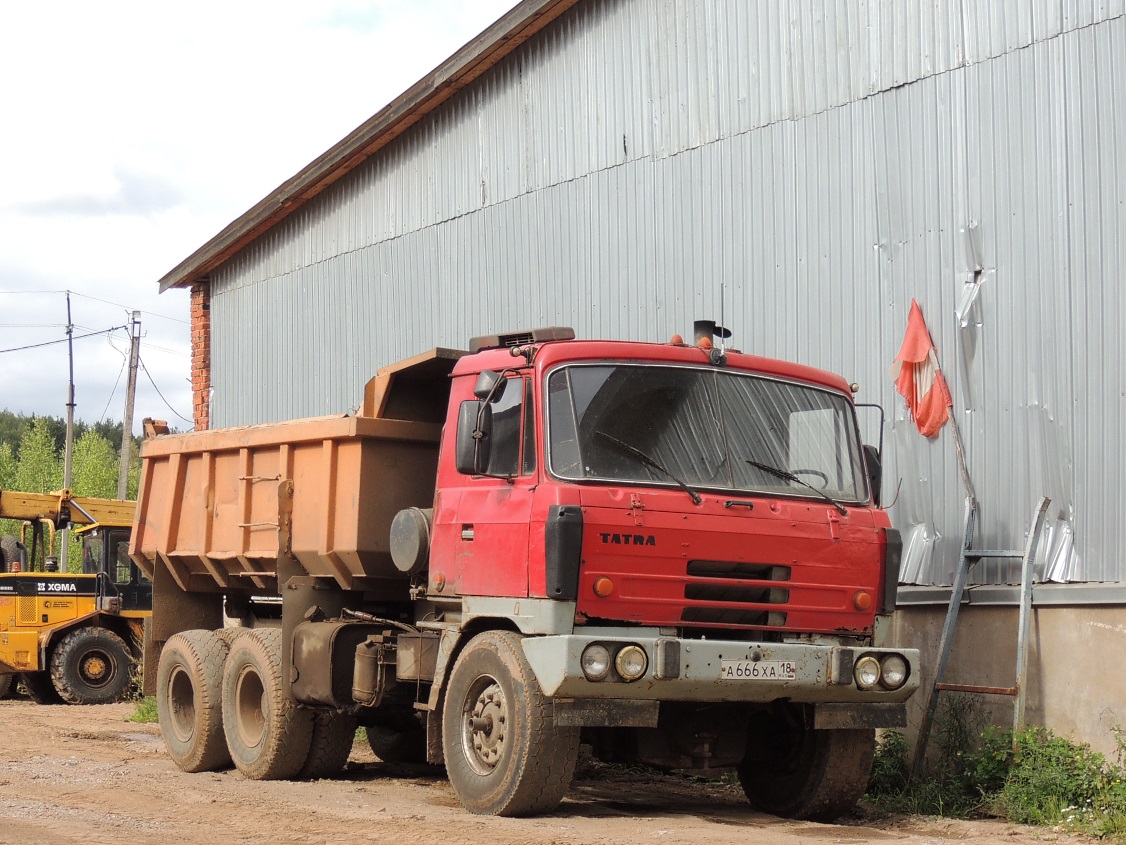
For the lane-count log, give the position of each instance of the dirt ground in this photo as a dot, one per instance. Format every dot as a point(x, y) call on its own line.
point(86, 775)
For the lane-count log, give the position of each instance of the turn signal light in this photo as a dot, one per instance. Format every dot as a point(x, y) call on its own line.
point(603, 587)
point(862, 600)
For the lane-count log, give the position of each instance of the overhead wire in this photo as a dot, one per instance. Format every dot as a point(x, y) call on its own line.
point(161, 395)
point(61, 340)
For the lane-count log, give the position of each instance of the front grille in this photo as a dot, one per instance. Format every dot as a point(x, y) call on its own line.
point(738, 569)
point(736, 592)
point(733, 616)
point(25, 609)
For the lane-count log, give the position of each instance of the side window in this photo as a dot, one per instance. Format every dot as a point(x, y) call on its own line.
point(528, 465)
point(507, 418)
point(122, 569)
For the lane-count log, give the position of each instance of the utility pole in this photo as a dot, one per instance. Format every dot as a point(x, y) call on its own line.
point(68, 461)
point(127, 419)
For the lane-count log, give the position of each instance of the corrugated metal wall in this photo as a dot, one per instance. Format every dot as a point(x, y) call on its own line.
point(800, 170)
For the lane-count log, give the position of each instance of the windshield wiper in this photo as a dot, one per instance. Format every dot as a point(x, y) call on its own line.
point(649, 462)
point(789, 476)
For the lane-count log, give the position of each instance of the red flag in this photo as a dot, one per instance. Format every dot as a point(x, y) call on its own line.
point(918, 378)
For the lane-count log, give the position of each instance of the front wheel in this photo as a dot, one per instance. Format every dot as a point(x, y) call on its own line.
point(504, 753)
point(794, 771)
point(5, 685)
point(91, 666)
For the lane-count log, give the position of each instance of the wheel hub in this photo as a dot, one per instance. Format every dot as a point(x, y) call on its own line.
point(486, 726)
point(94, 669)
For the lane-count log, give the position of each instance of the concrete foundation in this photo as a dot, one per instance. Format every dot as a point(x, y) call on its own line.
point(1076, 685)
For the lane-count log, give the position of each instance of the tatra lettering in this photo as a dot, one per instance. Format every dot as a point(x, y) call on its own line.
point(628, 539)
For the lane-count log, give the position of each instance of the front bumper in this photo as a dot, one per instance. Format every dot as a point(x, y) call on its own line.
point(689, 670)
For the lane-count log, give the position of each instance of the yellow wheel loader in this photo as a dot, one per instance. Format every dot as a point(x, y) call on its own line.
point(73, 637)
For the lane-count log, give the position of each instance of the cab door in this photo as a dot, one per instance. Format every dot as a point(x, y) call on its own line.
point(493, 512)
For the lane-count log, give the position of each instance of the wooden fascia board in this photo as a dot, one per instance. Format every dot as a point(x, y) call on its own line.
point(468, 64)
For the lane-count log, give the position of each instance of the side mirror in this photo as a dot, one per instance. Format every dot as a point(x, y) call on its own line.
point(490, 386)
point(473, 442)
point(875, 471)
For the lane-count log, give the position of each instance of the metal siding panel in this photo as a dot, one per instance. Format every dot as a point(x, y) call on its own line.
point(641, 164)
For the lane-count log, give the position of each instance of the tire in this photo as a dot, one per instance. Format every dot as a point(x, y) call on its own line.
point(189, 687)
point(330, 746)
point(9, 552)
point(91, 666)
point(504, 754)
point(398, 738)
point(794, 771)
point(39, 688)
point(268, 735)
point(5, 685)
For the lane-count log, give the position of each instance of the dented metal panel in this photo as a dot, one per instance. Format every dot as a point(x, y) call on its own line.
point(799, 172)
point(322, 491)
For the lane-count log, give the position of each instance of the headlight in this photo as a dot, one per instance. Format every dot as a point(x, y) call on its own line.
point(893, 672)
point(867, 672)
point(631, 662)
point(595, 662)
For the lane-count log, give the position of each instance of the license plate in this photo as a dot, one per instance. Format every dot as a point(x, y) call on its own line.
point(757, 670)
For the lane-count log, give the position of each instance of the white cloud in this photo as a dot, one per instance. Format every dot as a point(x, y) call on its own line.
point(134, 131)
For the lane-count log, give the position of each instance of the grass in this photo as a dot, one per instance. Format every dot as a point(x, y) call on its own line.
point(144, 711)
point(1047, 780)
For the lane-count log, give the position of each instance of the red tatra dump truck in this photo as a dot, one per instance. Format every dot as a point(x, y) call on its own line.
point(672, 553)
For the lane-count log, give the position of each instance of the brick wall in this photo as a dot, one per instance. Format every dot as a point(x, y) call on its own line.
point(201, 354)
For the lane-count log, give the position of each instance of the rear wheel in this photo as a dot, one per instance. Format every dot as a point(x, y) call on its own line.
point(397, 737)
point(794, 771)
point(330, 746)
point(5, 685)
point(504, 753)
point(268, 735)
point(189, 686)
point(91, 666)
point(39, 688)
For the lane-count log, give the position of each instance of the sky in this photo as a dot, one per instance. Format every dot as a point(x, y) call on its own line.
point(133, 132)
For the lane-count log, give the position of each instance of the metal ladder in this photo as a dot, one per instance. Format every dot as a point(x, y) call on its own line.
point(970, 556)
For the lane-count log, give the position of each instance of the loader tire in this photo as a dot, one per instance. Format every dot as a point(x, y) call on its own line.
point(189, 686)
point(330, 746)
point(504, 754)
point(9, 552)
point(39, 688)
point(91, 666)
point(797, 772)
point(268, 735)
point(5, 685)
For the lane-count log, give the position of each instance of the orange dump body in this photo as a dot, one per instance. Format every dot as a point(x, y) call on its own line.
point(323, 490)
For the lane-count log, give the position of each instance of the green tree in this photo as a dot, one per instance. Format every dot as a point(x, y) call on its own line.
point(38, 468)
point(7, 466)
point(95, 466)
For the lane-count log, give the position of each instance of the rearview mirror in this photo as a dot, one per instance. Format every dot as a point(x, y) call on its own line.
point(490, 386)
point(875, 472)
point(473, 442)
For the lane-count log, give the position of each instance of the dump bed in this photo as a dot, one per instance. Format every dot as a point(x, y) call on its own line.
point(219, 507)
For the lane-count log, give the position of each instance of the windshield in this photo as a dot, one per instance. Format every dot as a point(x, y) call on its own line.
point(708, 428)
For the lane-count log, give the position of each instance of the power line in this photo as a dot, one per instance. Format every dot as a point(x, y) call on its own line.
point(62, 340)
point(127, 308)
point(124, 361)
point(161, 395)
point(96, 299)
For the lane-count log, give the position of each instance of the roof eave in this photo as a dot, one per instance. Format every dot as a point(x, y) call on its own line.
point(462, 68)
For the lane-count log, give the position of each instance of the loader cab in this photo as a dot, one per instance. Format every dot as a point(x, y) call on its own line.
point(106, 550)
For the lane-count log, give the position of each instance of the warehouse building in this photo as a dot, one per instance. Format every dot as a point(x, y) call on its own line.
point(801, 172)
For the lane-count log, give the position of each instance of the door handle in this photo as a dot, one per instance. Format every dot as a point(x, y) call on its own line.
point(467, 532)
